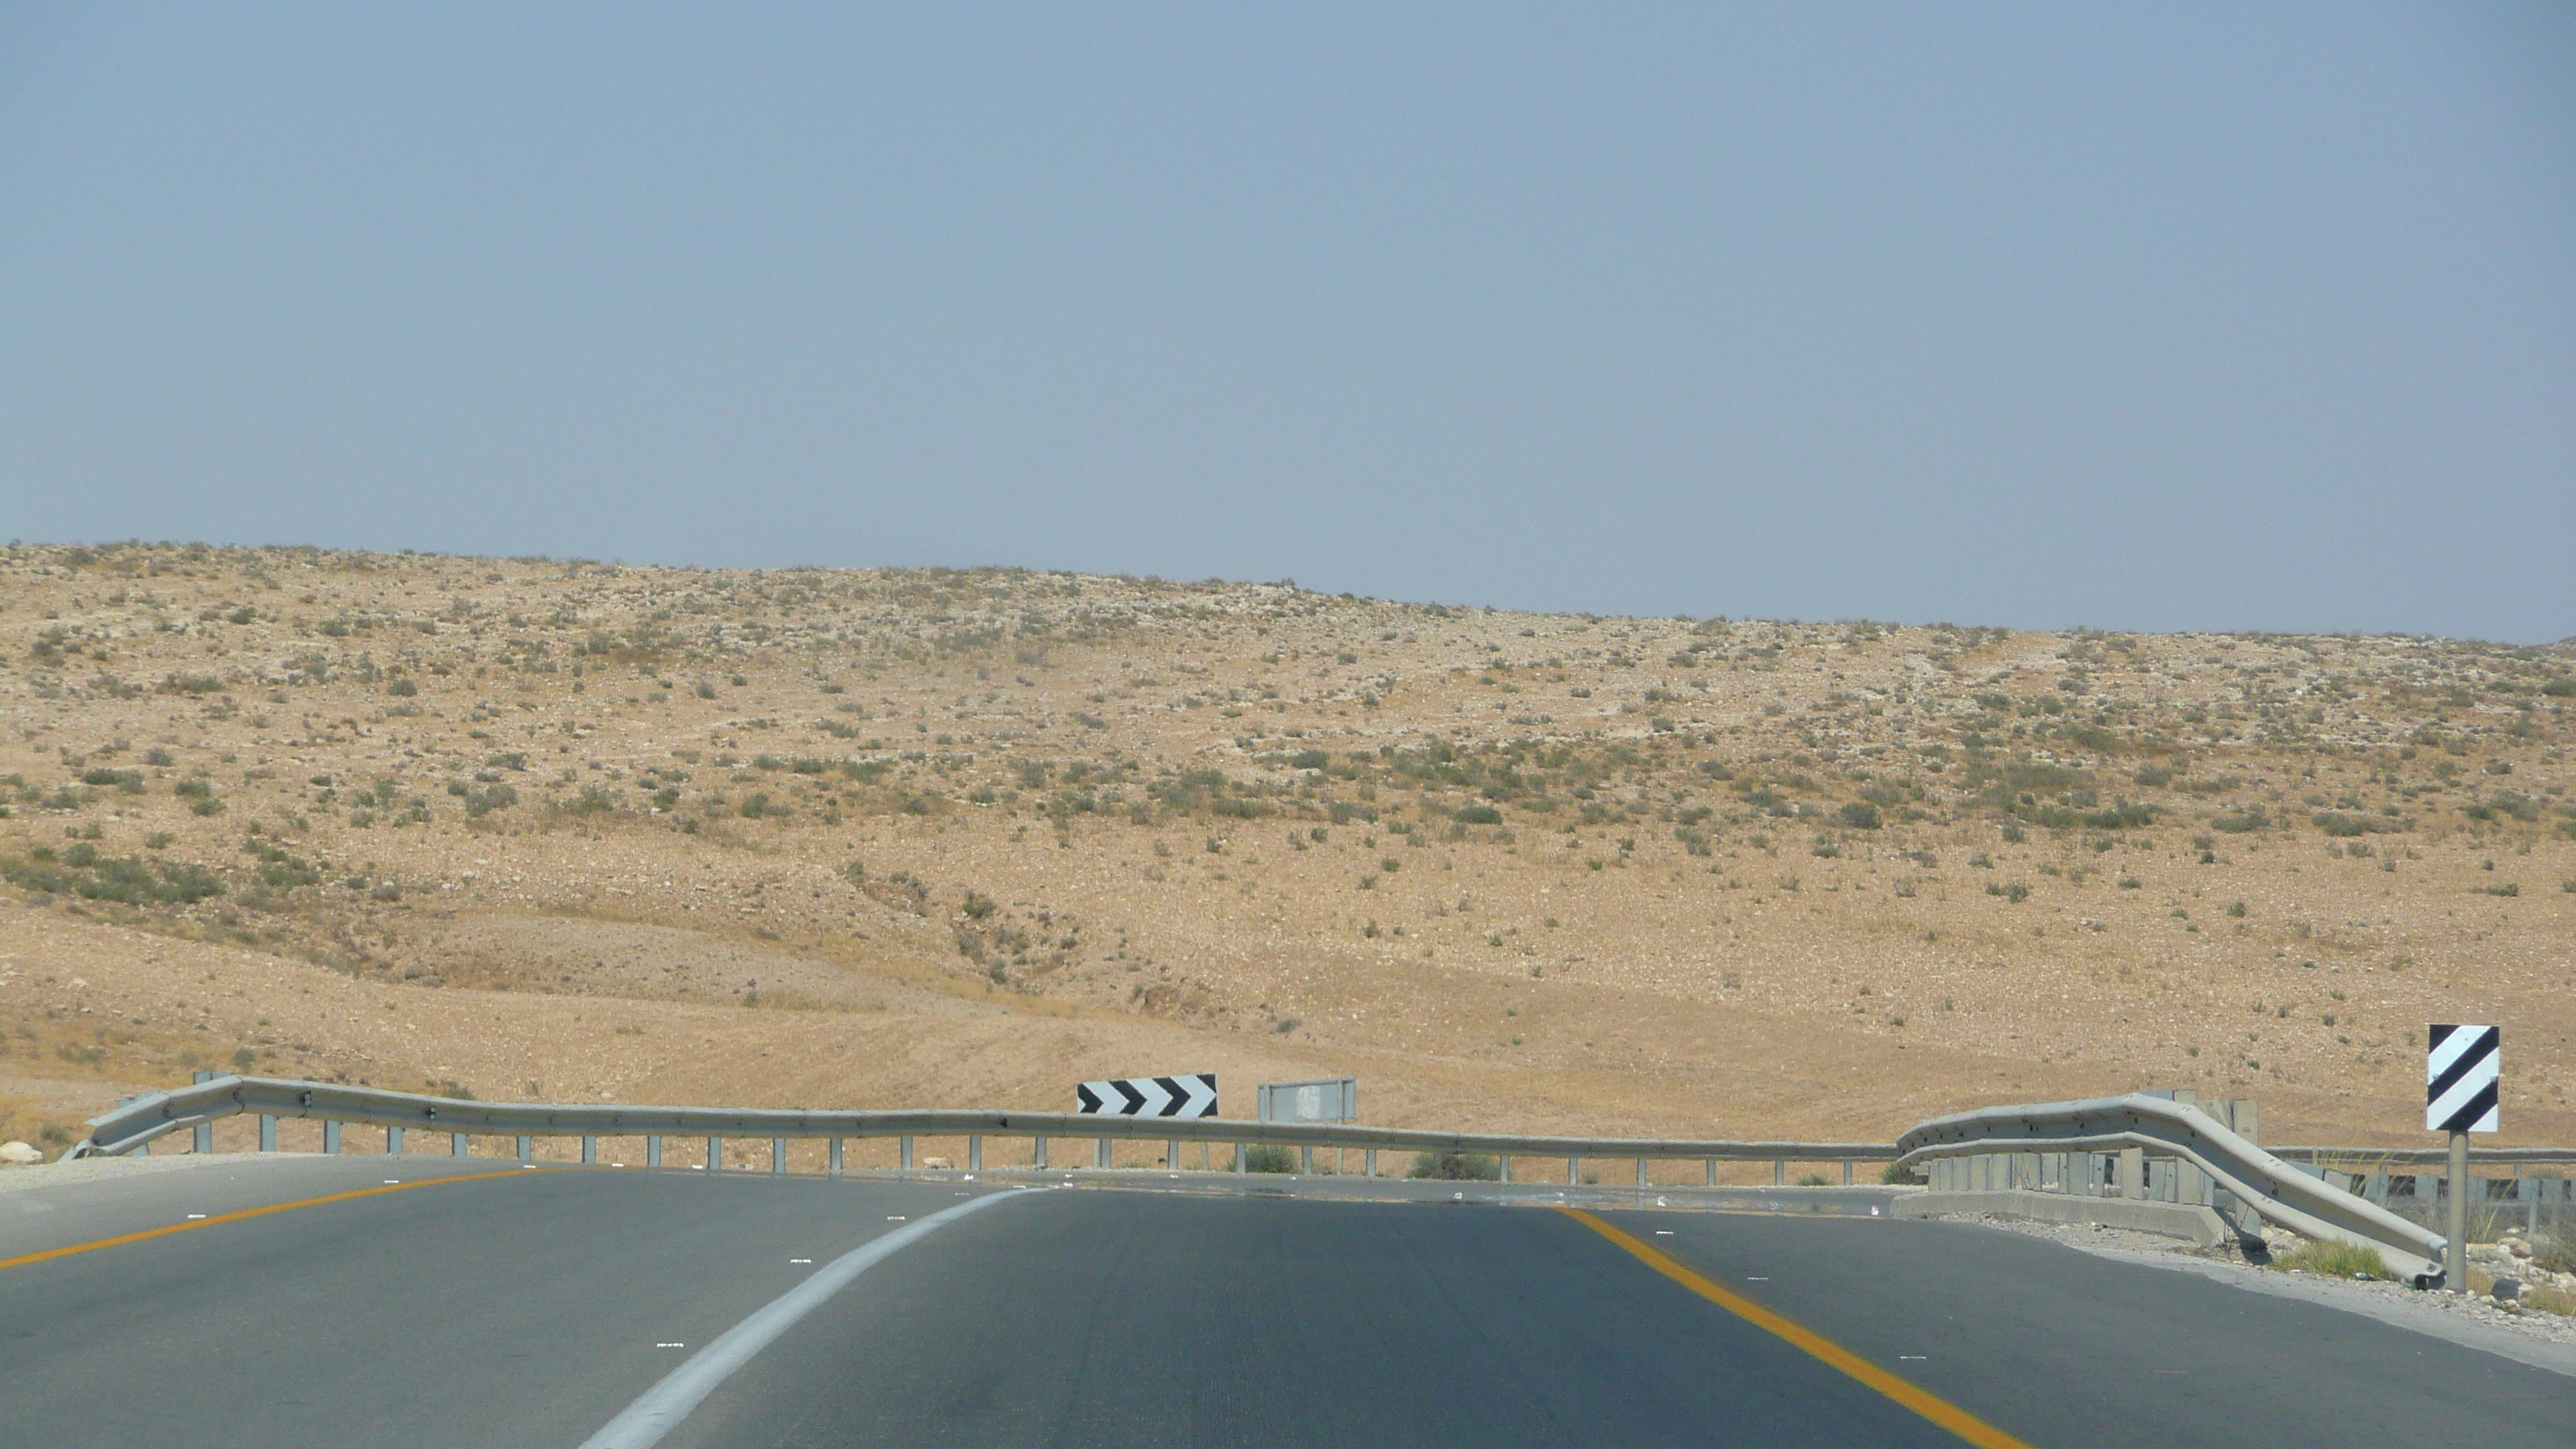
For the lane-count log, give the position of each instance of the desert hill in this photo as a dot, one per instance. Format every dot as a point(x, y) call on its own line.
point(857, 838)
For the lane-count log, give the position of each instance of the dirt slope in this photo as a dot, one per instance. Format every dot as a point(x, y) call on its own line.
point(965, 838)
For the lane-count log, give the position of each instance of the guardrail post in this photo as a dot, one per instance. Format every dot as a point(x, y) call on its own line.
point(777, 1155)
point(2133, 1173)
point(903, 1154)
point(2455, 1218)
point(456, 1145)
point(1238, 1157)
point(835, 1168)
point(590, 1151)
point(1846, 1172)
point(653, 1151)
point(527, 1148)
point(1305, 1161)
point(1711, 1166)
point(1505, 1159)
point(1172, 1154)
point(1641, 1172)
point(1573, 1171)
point(330, 1136)
point(203, 1139)
point(1368, 1162)
point(1100, 1152)
point(1779, 1171)
point(974, 1154)
point(1039, 1155)
point(393, 1142)
point(267, 1133)
point(715, 1154)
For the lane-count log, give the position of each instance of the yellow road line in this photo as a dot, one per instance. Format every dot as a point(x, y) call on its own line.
point(1931, 1406)
point(258, 1212)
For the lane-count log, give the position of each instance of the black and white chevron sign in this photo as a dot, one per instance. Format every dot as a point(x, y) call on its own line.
point(1191, 1096)
point(2463, 1066)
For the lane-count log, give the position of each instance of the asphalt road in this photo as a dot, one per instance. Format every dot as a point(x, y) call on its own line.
point(529, 1308)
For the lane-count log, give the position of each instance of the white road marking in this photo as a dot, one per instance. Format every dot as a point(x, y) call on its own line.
point(643, 1423)
point(192, 1217)
point(670, 1345)
point(393, 1182)
point(1663, 1232)
point(895, 1219)
point(1757, 1280)
point(1917, 1357)
point(800, 1260)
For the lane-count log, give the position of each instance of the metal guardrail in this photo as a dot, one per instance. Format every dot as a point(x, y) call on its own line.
point(2385, 1157)
point(138, 1122)
point(2136, 1126)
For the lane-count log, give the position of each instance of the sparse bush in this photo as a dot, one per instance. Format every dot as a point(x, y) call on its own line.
point(1269, 1157)
point(1858, 815)
point(1456, 1167)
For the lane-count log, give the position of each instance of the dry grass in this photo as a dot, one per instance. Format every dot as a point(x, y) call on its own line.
point(966, 837)
point(2333, 1260)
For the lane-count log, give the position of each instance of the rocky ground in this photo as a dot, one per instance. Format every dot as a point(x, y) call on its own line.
point(527, 827)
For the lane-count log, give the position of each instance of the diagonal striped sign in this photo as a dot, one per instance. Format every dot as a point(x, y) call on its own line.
point(1190, 1096)
point(2463, 1066)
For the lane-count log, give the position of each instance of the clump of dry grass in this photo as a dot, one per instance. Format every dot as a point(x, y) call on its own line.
point(2333, 1260)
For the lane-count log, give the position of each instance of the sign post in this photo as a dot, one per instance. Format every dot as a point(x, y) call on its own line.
point(2463, 1071)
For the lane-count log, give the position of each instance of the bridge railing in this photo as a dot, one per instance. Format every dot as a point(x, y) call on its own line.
point(2073, 1147)
point(135, 1124)
point(2112, 1146)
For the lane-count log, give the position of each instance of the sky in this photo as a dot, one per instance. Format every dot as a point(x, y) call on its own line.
point(2173, 317)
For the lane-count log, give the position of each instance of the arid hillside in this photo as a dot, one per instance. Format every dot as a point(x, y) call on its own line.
point(528, 827)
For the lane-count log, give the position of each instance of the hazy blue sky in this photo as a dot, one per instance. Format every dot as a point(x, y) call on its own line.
point(2225, 316)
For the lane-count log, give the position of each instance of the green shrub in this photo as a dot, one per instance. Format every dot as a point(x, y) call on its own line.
point(1898, 1176)
point(1269, 1157)
point(1456, 1167)
point(1858, 815)
point(1479, 815)
point(402, 689)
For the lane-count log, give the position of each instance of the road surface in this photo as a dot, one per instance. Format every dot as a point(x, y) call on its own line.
point(479, 1304)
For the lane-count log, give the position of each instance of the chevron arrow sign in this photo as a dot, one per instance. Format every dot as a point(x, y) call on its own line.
point(1190, 1096)
point(2463, 1067)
